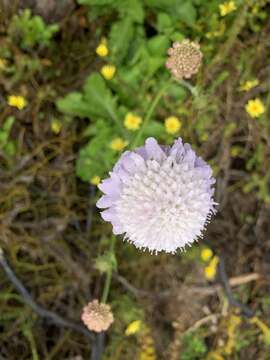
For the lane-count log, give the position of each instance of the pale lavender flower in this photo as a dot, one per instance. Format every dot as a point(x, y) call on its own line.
point(160, 197)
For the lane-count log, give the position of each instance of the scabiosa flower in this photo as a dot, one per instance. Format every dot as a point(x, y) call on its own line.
point(97, 316)
point(160, 197)
point(184, 59)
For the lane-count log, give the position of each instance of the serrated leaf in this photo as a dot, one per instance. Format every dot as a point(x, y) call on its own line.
point(95, 101)
point(74, 104)
point(99, 97)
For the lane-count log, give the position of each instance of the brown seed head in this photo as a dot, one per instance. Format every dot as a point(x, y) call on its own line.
point(97, 316)
point(184, 59)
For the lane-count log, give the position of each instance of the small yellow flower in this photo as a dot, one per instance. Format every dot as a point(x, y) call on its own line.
point(17, 101)
point(206, 254)
point(211, 269)
point(235, 151)
point(108, 71)
point(172, 124)
point(133, 328)
point(3, 64)
point(118, 144)
point(249, 84)
point(255, 108)
point(132, 122)
point(209, 272)
point(102, 49)
point(227, 7)
point(56, 126)
point(95, 180)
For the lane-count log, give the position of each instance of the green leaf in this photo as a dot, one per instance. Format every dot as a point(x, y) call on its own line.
point(154, 64)
point(120, 37)
point(178, 9)
point(158, 45)
point(96, 157)
point(164, 22)
point(73, 104)
point(95, 101)
point(8, 123)
point(132, 9)
point(187, 13)
point(99, 97)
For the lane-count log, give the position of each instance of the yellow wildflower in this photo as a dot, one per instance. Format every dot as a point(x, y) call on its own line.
point(249, 84)
point(3, 64)
point(133, 328)
point(132, 122)
point(255, 108)
point(235, 151)
point(172, 124)
point(118, 144)
point(227, 7)
point(211, 269)
point(108, 71)
point(17, 101)
point(95, 180)
point(102, 49)
point(56, 126)
point(206, 254)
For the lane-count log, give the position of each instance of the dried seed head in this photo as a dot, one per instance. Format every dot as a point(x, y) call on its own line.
point(97, 316)
point(184, 59)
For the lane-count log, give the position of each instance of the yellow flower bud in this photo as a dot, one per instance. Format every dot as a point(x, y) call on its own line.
point(102, 50)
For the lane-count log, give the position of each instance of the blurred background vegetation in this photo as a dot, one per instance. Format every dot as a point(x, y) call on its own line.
point(80, 82)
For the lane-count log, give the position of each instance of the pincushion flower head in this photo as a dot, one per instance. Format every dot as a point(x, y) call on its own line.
point(97, 316)
point(184, 59)
point(159, 197)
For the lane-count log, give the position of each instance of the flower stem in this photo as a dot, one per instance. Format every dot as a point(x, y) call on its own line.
point(108, 278)
point(188, 86)
point(149, 113)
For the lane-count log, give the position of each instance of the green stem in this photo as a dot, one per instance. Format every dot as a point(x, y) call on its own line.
point(189, 87)
point(149, 113)
point(108, 278)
